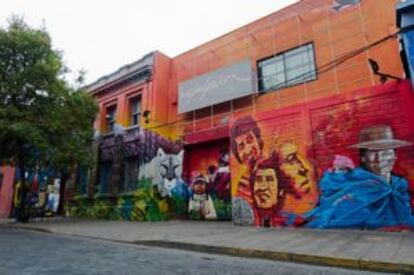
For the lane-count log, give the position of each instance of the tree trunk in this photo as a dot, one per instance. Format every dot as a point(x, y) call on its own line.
point(62, 193)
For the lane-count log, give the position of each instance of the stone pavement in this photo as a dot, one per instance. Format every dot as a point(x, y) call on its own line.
point(364, 250)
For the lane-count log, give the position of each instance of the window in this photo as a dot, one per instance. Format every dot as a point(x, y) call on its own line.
point(135, 110)
point(286, 69)
point(105, 176)
point(110, 117)
point(131, 174)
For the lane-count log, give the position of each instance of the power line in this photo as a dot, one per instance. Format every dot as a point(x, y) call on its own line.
point(320, 70)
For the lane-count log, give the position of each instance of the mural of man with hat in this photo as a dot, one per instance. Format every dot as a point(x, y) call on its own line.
point(377, 150)
point(369, 196)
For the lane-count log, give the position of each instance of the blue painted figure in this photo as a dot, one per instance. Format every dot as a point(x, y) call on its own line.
point(369, 196)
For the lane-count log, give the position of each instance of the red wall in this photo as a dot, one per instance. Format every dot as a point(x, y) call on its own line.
point(324, 128)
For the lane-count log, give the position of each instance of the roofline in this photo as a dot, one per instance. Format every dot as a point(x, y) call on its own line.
point(120, 74)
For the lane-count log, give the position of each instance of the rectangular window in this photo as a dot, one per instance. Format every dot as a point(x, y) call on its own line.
point(131, 173)
point(135, 110)
point(286, 69)
point(110, 118)
point(105, 175)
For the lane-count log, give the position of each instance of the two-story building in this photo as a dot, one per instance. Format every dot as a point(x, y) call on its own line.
point(260, 123)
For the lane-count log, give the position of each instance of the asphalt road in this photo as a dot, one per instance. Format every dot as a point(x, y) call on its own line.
point(28, 252)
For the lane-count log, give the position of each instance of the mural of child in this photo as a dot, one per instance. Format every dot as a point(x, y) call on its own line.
point(200, 203)
point(342, 164)
point(369, 196)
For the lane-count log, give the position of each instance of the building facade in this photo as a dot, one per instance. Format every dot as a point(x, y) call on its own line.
point(284, 121)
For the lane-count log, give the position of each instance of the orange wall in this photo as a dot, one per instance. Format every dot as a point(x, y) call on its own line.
point(334, 35)
point(159, 95)
point(154, 97)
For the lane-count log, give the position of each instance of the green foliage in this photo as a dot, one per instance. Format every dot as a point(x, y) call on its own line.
point(79, 208)
point(43, 120)
point(148, 206)
point(195, 215)
point(145, 204)
point(179, 206)
point(100, 209)
point(125, 206)
point(223, 209)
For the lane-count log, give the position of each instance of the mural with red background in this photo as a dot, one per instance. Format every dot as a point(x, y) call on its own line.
point(327, 163)
point(208, 176)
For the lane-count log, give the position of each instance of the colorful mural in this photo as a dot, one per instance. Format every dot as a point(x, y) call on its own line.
point(157, 192)
point(288, 170)
point(275, 177)
point(209, 174)
point(41, 189)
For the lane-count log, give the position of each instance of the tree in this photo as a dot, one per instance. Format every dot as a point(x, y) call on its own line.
point(44, 122)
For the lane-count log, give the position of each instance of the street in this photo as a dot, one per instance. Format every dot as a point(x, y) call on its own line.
point(28, 252)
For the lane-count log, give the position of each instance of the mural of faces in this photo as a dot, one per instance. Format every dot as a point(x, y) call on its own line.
point(199, 187)
point(265, 188)
point(380, 162)
point(296, 169)
point(248, 148)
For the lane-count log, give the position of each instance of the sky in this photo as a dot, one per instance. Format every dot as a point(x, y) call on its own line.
point(99, 36)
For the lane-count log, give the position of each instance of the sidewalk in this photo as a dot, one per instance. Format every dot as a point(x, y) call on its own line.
point(6, 221)
point(365, 250)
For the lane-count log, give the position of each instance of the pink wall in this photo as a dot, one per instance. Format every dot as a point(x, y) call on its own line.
point(6, 191)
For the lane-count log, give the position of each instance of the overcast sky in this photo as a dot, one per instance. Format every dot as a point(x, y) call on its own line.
point(100, 36)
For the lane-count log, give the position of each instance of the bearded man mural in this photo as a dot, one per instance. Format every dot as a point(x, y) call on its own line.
point(370, 196)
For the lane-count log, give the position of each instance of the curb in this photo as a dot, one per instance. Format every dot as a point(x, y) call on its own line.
point(355, 264)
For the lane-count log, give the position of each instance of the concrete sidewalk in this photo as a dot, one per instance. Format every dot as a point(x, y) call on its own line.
point(364, 250)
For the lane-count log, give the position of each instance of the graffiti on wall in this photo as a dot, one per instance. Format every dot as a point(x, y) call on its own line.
point(148, 169)
point(279, 188)
point(337, 166)
point(368, 196)
point(210, 183)
point(275, 177)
